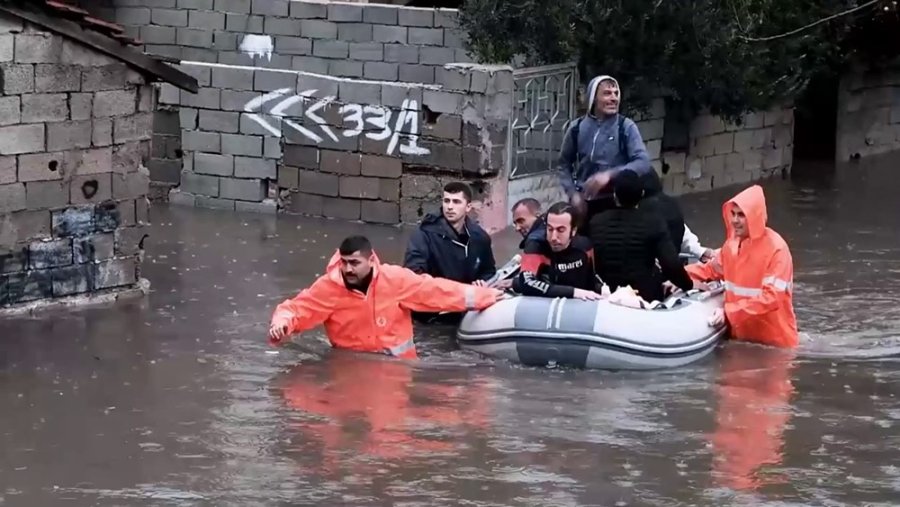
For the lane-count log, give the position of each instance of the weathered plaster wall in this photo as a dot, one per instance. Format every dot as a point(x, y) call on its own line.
point(868, 113)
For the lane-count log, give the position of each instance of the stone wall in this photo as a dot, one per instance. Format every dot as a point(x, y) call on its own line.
point(74, 128)
point(868, 120)
point(255, 139)
point(372, 41)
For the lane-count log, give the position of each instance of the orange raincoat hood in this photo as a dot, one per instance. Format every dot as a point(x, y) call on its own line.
point(758, 273)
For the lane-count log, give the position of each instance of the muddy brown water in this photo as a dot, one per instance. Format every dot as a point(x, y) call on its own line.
point(173, 400)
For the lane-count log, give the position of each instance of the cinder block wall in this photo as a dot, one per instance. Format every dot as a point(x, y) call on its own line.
point(373, 41)
point(74, 129)
point(254, 139)
point(868, 113)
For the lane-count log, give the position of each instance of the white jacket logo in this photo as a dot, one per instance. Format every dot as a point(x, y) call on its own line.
point(562, 268)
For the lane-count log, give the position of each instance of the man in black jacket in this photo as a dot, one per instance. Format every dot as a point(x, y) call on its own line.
point(527, 221)
point(560, 265)
point(451, 245)
point(629, 240)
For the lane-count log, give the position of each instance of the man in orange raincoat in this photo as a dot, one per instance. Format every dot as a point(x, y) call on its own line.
point(756, 266)
point(365, 305)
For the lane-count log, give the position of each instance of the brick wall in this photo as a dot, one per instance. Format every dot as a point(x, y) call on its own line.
point(868, 113)
point(254, 139)
point(374, 41)
point(74, 128)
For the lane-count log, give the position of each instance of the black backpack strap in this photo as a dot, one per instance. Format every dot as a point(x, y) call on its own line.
point(623, 146)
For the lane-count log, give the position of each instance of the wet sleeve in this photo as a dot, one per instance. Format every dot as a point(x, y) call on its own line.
point(638, 158)
point(669, 262)
point(705, 272)
point(690, 243)
point(777, 283)
point(306, 310)
point(488, 264)
point(416, 257)
point(530, 283)
point(423, 293)
point(566, 163)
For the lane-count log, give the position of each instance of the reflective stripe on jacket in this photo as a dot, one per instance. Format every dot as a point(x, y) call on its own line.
point(379, 320)
point(758, 275)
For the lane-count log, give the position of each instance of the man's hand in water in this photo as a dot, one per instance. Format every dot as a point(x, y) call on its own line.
point(587, 295)
point(596, 183)
point(717, 318)
point(277, 332)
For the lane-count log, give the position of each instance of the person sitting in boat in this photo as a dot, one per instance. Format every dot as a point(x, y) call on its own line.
point(379, 324)
point(656, 200)
point(561, 265)
point(756, 265)
point(527, 221)
point(629, 240)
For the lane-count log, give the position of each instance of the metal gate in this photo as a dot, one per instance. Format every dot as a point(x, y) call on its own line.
point(543, 107)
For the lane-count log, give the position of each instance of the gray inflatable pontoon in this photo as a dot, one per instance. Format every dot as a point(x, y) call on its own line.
point(540, 331)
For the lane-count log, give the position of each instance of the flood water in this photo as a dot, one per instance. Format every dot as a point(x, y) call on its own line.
point(173, 400)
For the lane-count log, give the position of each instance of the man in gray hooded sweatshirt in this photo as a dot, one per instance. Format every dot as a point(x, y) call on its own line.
point(596, 147)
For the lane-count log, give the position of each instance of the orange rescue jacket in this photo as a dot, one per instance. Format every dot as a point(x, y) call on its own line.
point(379, 320)
point(758, 274)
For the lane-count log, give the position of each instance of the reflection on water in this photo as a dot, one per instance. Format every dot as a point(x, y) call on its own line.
point(174, 400)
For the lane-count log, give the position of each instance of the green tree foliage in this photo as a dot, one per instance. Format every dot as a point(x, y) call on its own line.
point(703, 53)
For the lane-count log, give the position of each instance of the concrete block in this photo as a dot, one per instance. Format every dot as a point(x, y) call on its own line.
point(71, 280)
point(281, 26)
point(38, 48)
point(46, 194)
point(367, 51)
point(446, 127)
point(400, 53)
point(98, 160)
point(243, 23)
point(44, 107)
point(206, 21)
point(271, 7)
point(68, 135)
point(90, 188)
point(338, 162)
point(310, 64)
point(272, 148)
point(12, 260)
point(133, 16)
point(101, 134)
point(355, 32)
point(10, 110)
point(114, 103)
point(380, 212)
point(436, 55)
point(209, 142)
point(706, 125)
point(244, 190)
point(653, 148)
point(13, 197)
point(169, 95)
point(7, 48)
point(96, 247)
point(381, 71)
point(81, 106)
point(115, 273)
point(235, 6)
point(236, 144)
point(743, 141)
point(24, 287)
point(410, 73)
point(380, 15)
point(754, 120)
point(127, 157)
point(427, 37)
point(343, 209)
point(250, 126)
point(442, 102)
point(234, 79)
point(50, 254)
point(359, 93)
point(76, 53)
point(214, 203)
point(293, 45)
point(236, 100)
point(217, 165)
point(166, 51)
point(723, 143)
point(253, 167)
point(142, 211)
point(345, 68)
point(161, 35)
point(167, 17)
point(359, 187)
point(193, 37)
point(381, 166)
point(305, 204)
point(454, 39)
point(301, 156)
point(266, 80)
point(344, 12)
point(287, 177)
point(199, 184)
point(316, 183)
point(8, 169)
point(16, 79)
point(453, 79)
point(446, 18)
point(205, 98)
point(52, 78)
point(138, 127)
point(219, 121)
point(772, 158)
point(389, 189)
point(130, 185)
point(331, 48)
point(415, 17)
point(308, 10)
point(394, 96)
point(734, 162)
point(703, 146)
point(165, 170)
point(268, 206)
point(16, 139)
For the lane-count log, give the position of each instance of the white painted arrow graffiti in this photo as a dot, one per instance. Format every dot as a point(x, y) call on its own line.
point(359, 116)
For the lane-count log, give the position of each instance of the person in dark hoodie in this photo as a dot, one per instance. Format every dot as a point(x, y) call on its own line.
point(451, 245)
point(527, 220)
point(596, 147)
point(656, 200)
point(629, 240)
